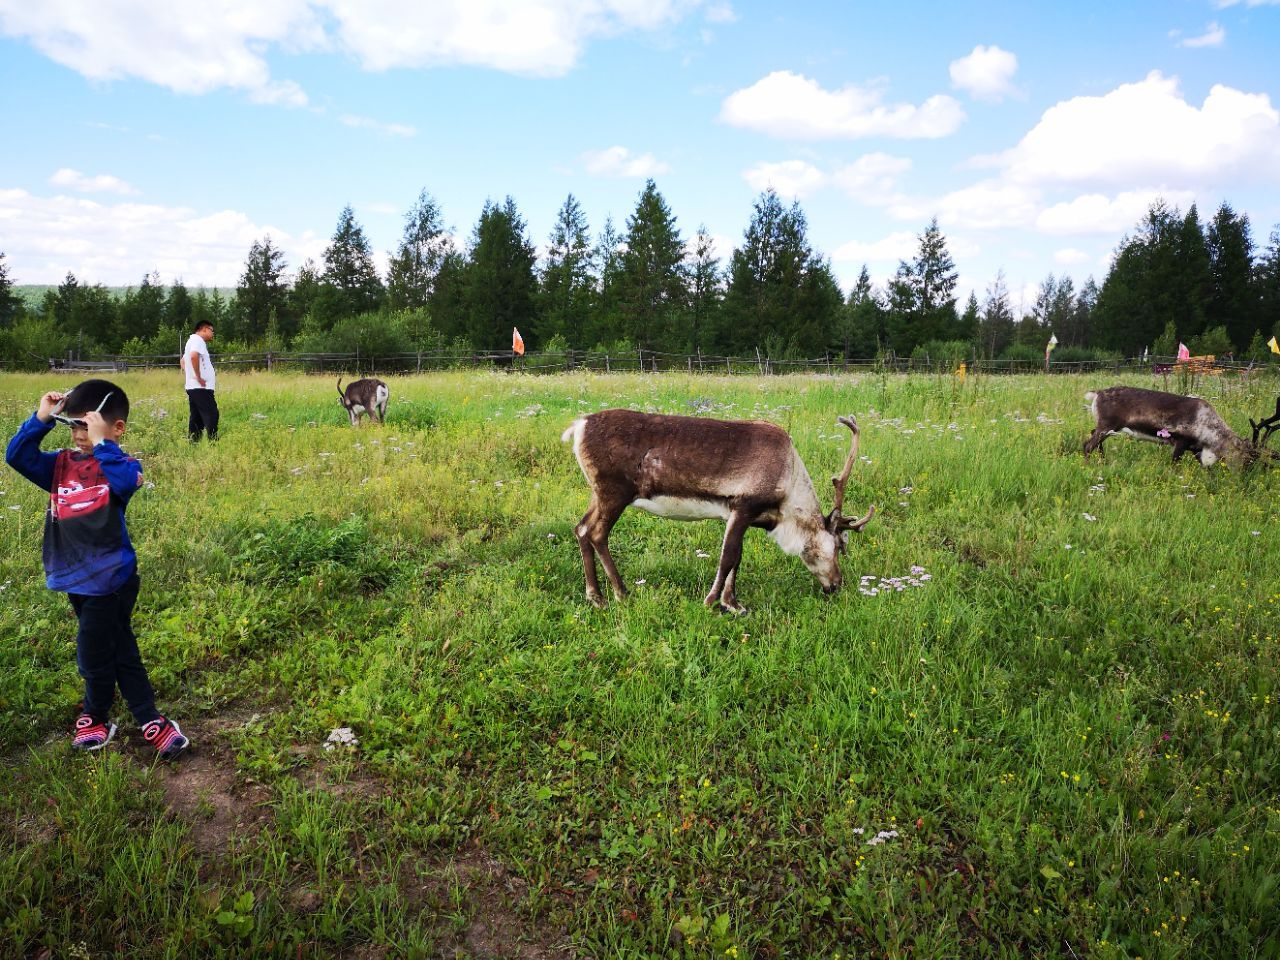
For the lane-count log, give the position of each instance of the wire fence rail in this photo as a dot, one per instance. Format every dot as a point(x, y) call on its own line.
point(649, 361)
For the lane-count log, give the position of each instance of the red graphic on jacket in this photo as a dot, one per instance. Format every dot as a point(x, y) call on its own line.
point(85, 541)
point(75, 499)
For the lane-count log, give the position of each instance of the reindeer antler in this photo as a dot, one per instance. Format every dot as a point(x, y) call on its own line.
point(340, 393)
point(836, 522)
point(1270, 425)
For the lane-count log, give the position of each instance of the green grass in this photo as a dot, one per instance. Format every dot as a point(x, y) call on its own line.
point(1073, 726)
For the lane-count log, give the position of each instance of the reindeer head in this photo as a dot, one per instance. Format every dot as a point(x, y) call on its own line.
point(1262, 431)
point(823, 554)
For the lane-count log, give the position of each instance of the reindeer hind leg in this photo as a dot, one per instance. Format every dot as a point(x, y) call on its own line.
point(583, 532)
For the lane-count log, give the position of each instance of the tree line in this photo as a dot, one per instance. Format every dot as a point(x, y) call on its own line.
point(1173, 279)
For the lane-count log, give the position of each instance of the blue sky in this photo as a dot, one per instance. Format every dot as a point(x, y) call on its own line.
point(152, 136)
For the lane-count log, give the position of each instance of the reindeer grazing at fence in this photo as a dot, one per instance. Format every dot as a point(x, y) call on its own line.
point(1185, 423)
point(366, 397)
point(747, 473)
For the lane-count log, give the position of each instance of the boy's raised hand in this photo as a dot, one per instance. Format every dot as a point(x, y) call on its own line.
point(95, 426)
point(48, 404)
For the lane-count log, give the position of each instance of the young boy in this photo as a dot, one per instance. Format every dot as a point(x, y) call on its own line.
point(88, 555)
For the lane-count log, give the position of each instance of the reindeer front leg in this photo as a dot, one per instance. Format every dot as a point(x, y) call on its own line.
point(722, 591)
point(1095, 441)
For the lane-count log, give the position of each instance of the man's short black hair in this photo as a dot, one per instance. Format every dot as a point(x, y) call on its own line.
point(86, 396)
point(201, 324)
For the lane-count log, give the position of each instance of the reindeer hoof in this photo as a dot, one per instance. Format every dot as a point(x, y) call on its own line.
point(597, 601)
point(732, 607)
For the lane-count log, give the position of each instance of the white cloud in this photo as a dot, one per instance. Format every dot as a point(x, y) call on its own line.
point(790, 178)
point(901, 245)
point(1213, 36)
point(539, 37)
point(368, 123)
point(873, 178)
point(116, 243)
point(102, 183)
point(721, 13)
point(1069, 256)
point(1146, 132)
point(1094, 213)
point(785, 104)
point(222, 44)
point(1222, 4)
point(189, 48)
point(986, 73)
point(621, 162)
point(986, 205)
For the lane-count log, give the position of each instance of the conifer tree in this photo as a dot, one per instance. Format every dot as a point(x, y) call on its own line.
point(567, 279)
point(780, 290)
point(501, 290)
point(651, 277)
point(411, 274)
point(263, 289)
point(349, 283)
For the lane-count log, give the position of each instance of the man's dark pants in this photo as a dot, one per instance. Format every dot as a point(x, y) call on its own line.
point(107, 654)
point(204, 414)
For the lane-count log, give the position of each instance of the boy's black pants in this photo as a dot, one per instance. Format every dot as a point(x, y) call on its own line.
point(204, 414)
point(107, 654)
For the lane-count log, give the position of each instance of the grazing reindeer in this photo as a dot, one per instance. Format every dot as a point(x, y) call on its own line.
point(364, 397)
point(747, 473)
point(1185, 423)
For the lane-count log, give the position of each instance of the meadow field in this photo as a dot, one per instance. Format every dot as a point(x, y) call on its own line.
point(1046, 725)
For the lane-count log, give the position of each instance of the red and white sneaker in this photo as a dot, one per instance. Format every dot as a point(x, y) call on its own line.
point(90, 734)
point(166, 736)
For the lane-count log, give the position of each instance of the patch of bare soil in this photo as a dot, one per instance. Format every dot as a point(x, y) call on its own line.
point(489, 896)
point(204, 788)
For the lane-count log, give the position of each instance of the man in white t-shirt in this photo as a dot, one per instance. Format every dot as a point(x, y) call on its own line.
point(198, 369)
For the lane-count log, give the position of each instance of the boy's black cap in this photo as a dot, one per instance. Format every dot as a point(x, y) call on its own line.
point(86, 396)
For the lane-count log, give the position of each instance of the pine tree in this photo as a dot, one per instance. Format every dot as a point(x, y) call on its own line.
point(303, 294)
point(706, 291)
point(142, 310)
point(263, 291)
point(349, 284)
point(501, 290)
point(651, 277)
point(922, 303)
point(1141, 290)
point(1080, 325)
point(1194, 279)
point(1233, 301)
point(862, 324)
point(411, 274)
point(177, 308)
point(606, 322)
point(1266, 281)
point(567, 279)
point(448, 303)
point(781, 293)
point(969, 320)
point(996, 329)
point(9, 302)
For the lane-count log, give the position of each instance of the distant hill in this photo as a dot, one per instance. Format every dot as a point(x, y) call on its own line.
point(33, 293)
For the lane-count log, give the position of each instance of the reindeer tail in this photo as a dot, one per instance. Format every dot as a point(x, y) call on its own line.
point(570, 432)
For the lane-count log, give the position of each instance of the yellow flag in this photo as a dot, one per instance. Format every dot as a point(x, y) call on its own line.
point(1275, 347)
point(961, 371)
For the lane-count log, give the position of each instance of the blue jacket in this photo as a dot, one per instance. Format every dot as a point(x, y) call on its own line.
point(86, 544)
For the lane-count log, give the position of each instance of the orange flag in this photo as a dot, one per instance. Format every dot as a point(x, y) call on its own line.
point(517, 342)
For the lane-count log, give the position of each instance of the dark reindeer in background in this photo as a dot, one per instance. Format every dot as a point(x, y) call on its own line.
point(366, 397)
point(1185, 423)
point(747, 473)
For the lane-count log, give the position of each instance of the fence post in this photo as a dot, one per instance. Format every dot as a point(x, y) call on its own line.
point(607, 368)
